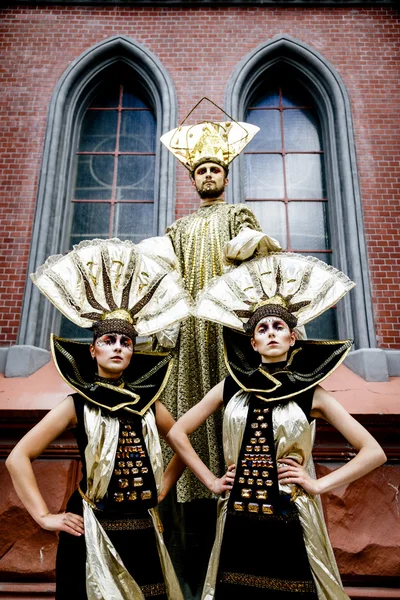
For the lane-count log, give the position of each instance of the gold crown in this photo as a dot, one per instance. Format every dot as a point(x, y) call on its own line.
point(120, 314)
point(208, 141)
point(278, 300)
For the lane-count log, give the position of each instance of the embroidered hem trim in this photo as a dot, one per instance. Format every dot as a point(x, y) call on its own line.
point(153, 589)
point(126, 524)
point(271, 583)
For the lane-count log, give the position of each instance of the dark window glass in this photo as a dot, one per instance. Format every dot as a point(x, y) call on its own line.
point(94, 177)
point(135, 180)
point(138, 131)
point(114, 176)
point(323, 327)
point(133, 221)
point(262, 168)
point(90, 220)
point(285, 179)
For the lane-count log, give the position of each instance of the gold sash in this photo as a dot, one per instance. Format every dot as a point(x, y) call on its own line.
point(106, 575)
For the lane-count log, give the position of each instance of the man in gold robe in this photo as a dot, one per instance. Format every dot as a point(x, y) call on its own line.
point(217, 237)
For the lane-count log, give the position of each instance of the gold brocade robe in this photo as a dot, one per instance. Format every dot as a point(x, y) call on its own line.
point(199, 240)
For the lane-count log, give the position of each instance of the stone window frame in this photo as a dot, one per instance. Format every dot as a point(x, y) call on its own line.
point(319, 77)
point(72, 94)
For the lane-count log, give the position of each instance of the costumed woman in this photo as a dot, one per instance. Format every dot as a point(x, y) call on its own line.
point(110, 543)
point(271, 539)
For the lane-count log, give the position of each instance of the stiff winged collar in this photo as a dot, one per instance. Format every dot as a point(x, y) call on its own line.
point(143, 380)
point(309, 363)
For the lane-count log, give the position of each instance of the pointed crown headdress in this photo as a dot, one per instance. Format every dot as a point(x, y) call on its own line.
point(208, 141)
point(111, 286)
point(294, 287)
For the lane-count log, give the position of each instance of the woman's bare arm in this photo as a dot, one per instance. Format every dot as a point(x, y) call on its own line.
point(176, 466)
point(19, 465)
point(369, 456)
point(179, 440)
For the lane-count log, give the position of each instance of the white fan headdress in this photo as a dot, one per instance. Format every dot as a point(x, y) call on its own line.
point(294, 287)
point(111, 286)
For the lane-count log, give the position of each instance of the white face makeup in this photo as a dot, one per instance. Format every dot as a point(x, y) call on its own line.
point(113, 353)
point(210, 180)
point(272, 339)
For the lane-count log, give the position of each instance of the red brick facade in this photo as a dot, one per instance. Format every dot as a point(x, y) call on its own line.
point(200, 47)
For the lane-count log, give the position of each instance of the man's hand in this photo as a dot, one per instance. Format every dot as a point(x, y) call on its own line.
point(68, 522)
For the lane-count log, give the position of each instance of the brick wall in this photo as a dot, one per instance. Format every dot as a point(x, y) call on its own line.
point(200, 47)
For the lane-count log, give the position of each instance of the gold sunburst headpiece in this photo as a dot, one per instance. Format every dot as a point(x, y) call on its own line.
point(209, 141)
point(111, 286)
point(294, 287)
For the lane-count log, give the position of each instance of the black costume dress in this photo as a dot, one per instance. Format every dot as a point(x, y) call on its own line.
point(271, 539)
point(123, 512)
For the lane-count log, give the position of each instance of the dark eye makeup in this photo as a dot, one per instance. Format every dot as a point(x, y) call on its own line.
point(276, 325)
point(111, 339)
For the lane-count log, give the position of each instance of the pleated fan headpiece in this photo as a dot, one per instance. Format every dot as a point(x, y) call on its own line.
point(111, 286)
point(294, 287)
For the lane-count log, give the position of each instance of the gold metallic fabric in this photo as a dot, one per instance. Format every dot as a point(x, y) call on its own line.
point(162, 247)
point(233, 428)
point(293, 437)
point(152, 440)
point(102, 432)
point(106, 574)
point(199, 240)
point(171, 581)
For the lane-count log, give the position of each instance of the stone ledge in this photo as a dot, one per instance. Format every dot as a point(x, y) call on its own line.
point(219, 3)
point(374, 364)
point(369, 593)
point(3, 359)
point(22, 361)
point(393, 360)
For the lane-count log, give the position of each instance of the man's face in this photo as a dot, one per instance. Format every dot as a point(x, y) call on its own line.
point(210, 180)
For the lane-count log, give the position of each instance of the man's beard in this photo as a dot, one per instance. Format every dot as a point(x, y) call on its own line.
point(210, 192)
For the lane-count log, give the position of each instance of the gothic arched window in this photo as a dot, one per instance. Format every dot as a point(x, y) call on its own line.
point(103, 171)
point(115, 167)
point(285, 178)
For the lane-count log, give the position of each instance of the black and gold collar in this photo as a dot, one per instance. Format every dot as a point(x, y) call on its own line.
point(143, 380)
point(309, 363)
